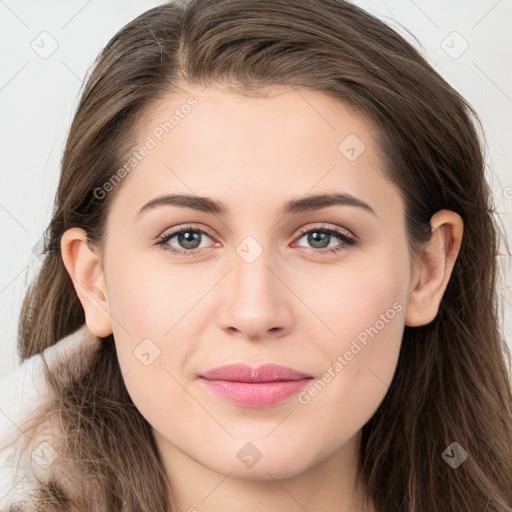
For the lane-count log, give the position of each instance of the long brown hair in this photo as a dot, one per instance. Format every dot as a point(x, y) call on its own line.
point(452, 382)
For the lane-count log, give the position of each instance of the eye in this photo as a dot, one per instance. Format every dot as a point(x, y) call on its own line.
point(320, 237)
point(188, 237)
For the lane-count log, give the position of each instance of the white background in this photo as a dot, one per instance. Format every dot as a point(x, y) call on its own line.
point(38, 97)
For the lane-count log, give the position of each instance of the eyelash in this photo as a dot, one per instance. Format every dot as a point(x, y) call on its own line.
point(318, 229)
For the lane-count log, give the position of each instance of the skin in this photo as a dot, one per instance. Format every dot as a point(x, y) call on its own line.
point(290, 306)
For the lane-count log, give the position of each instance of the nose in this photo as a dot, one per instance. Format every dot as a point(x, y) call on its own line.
point(255, 299)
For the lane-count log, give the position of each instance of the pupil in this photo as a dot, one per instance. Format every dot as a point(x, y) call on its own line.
point(314, 241)
point(189, 242)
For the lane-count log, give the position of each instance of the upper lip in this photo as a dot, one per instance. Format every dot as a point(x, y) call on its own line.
point(244, 373)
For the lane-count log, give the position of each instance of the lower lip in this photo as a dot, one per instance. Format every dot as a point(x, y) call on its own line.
point(256, 394)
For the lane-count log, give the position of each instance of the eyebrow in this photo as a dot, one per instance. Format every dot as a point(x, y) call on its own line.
point(293, 206)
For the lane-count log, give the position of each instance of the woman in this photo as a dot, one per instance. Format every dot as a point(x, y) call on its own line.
point(274, 248)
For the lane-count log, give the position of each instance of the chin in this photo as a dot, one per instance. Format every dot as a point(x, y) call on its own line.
point(264, 461)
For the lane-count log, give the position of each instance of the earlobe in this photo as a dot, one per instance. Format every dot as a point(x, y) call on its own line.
point(434, 269)
point(84, 268)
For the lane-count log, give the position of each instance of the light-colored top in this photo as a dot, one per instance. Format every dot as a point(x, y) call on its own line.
point(21, 393)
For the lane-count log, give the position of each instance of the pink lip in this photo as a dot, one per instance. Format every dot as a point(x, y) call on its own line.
point(259, 387)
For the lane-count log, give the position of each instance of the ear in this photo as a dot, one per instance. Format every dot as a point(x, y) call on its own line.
point(85, 269)
point(432, 273)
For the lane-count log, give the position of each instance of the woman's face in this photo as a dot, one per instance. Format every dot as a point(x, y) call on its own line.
point(262, 286)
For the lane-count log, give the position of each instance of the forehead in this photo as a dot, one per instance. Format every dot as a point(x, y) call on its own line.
point(287, 143)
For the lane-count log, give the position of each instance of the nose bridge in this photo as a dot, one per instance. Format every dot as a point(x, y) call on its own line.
point(253, 282)
point(254, 297)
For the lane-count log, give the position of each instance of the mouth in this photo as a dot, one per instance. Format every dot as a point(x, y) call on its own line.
point(260, 387)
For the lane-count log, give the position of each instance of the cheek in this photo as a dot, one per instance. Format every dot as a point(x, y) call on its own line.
point(362, 293)
point(159, 399)
point(149, 304)
point(149, 295)
point(366, 321)
point(367, 347)
point(364, 311)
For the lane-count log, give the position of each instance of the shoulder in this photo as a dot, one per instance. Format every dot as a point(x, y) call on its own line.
point(25, 459)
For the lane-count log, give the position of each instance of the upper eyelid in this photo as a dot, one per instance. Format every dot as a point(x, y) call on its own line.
point(175, 231)
point(322, 227)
